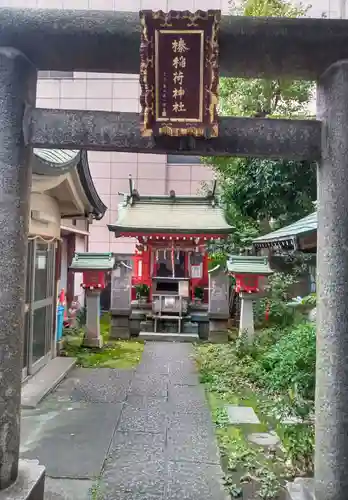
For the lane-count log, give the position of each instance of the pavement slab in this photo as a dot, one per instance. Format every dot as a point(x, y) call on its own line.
point(264, 438)
point(183, 379)
point(151, 385)
point(134, 481)
point(189, 423)
point(143, 402)
point(68, 489)
point(194, 445)
point(143, 434)
point(194, 481)
point(241, 415)
point(148, 420)
point(95, 385)
point(134, 447)
point(72, 442)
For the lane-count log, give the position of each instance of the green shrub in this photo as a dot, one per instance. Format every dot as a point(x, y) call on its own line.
point(263, 340)
point(280, 314)
point(199, 293)
point(310, 300)
point(142, 290)
point(81, 317)
point(298, 442)
point(218, 258)
point(290, 362)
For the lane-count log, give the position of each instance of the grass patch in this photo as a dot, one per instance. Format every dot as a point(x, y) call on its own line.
point(96, 492)
point(121, 354)
point(251, 471)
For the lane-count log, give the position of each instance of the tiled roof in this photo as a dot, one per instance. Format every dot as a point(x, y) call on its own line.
point(58, 156)
point(248, 264)
point(54, 162)
point(306, 225)
point(163, 214)
point(92, 261)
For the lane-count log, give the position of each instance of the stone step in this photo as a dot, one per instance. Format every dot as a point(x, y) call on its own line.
point(45, 381)
point(169, 337)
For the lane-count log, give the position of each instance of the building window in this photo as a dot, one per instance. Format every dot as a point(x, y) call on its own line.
point(183, 160)
point(40, 306)
point(56, 74)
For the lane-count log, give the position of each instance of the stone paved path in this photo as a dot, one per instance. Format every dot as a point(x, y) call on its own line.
point(147, 433)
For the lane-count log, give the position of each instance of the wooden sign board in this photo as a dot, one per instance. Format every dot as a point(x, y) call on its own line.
point(179, 73)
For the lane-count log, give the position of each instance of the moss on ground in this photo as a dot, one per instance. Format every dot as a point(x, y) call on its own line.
point(121, 354)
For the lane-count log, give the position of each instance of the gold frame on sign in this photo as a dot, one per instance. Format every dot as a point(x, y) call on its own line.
point(149, 60)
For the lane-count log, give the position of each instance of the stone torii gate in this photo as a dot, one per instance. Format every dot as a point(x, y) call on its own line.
point(315, 49)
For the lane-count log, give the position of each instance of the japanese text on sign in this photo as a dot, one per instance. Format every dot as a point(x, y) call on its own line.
point(179, 63)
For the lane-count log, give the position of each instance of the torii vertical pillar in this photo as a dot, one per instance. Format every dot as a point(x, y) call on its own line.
point(331, 447)
point(17, 88)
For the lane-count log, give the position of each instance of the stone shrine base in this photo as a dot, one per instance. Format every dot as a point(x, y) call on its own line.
point(30, 484)
point(120, 328)
point(218, 330)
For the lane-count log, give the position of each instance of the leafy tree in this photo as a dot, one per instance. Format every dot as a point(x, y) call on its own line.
point(258, 191)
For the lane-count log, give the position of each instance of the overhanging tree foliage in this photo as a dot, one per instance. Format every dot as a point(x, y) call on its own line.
point(257, 191)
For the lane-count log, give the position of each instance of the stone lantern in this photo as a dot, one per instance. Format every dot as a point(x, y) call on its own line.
point(248, 272)
point(94, 267)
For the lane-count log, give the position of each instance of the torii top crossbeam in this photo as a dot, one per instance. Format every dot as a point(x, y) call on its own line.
point(71, 40)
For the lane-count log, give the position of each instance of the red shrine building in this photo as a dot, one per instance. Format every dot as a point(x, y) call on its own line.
point(172, 233)
point(170, 273)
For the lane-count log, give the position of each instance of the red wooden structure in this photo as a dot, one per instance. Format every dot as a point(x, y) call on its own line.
point(172, 234)
point(248, 271)
point(94, 280)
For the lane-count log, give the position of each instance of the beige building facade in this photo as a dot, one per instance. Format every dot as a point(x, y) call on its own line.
point(152, 174)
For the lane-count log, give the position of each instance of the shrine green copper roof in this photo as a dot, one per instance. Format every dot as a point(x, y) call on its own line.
point(248, 264)
point(165, 214)
point(92, 261)
point(289, 233)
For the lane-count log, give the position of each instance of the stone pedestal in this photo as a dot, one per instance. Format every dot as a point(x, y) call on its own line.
point(120, 328)
point(30, 483)
point(246, 323)
point(218, 330)
point(136, 318)
point(17, 89)
point(92, 336)
point(331, 410)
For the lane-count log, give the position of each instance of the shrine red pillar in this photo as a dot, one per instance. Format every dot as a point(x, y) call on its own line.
point(141, 269)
